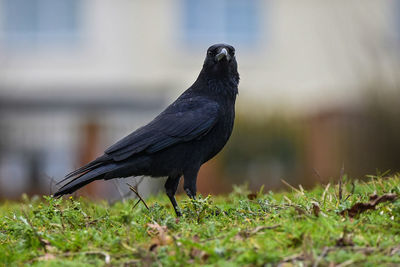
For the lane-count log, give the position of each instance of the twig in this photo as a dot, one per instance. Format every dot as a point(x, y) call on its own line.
point(301, 189)
point(137, 194)
point(245, 233)
point(137, 183)
point(107, 257)
point(326, 250)
point(127, 194)
point(394, 251)
point(324, 193)
point(323, 254)
point(353, 186)
point(261, 228)
point(288, 200)
point(126, 246)
point(134, 206)
point(132, 263)
point(318, 175)
point(341, 183)
point(346, 263)
point(295, 257)
point(62, 219)
point(292, 187)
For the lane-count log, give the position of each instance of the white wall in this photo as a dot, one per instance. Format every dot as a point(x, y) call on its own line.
point(312, 53)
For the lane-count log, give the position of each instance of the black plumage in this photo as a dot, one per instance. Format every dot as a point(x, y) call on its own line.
point(188, 133)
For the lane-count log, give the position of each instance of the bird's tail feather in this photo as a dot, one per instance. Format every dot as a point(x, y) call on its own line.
point(102, 168)
point(87, 168)
point(85, 178)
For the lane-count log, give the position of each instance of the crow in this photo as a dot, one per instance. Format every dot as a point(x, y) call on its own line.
point(188, 133)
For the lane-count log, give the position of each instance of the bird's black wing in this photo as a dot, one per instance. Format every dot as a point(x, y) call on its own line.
point(186, 119)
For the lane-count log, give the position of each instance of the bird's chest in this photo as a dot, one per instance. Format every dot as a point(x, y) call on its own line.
point(219, 135)
point(225, 123)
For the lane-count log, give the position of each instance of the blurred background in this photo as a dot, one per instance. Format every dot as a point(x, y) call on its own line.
point(319, 87)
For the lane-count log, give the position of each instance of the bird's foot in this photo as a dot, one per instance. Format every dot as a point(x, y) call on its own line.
point(190, 193)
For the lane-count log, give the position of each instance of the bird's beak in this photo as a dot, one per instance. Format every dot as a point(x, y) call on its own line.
point(223, 54)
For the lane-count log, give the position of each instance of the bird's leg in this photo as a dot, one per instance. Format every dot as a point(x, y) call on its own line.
point(189, 184)
point(170, 188)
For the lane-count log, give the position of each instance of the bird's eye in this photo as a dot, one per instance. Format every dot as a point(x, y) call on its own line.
point(232, 52)
point(210, 53)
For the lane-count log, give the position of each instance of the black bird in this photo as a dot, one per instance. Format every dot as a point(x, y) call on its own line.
point(188, 133)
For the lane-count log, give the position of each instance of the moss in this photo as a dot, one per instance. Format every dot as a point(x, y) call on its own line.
point(234, 230)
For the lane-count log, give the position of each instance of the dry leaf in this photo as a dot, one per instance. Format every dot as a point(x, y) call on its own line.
point(197, 253)
point(160, 236)
point(153, 247)
point(245, 234)
point(196, 238)
point(344, 242)
point(373, 197)
point(316, 209)
point(360, 207)
point(299, 210)
point(252, 196)
point(46, 257)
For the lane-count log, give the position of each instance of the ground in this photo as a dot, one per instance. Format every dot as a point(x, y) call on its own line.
point(357, 223)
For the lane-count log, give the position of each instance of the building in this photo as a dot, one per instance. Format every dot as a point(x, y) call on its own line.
point(76, 75)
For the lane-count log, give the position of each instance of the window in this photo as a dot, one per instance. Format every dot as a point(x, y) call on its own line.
point(35, 22)
point(233, 21)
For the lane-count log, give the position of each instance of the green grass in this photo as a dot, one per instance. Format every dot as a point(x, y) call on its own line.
point(240, 229)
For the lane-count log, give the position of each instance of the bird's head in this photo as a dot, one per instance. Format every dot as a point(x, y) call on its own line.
point(220, 61)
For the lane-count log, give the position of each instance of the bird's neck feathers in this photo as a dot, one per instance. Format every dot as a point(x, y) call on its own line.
point(225, 85)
